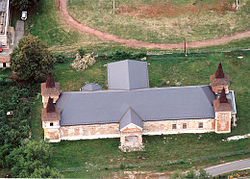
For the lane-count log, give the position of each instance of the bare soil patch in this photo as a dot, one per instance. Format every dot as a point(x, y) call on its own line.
point(160, 9)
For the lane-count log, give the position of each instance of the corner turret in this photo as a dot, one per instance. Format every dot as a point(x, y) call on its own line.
point(51, 122)
point(50, 89)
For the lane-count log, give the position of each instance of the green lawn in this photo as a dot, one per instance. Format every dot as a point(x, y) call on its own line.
point(163, 21)
point(93, 158)
point(45, 23)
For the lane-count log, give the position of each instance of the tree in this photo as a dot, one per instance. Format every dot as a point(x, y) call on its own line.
point(31, 59)
point(23, 4)
point(31, 160)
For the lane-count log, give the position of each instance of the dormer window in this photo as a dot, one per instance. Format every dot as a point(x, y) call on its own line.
point(51, 124)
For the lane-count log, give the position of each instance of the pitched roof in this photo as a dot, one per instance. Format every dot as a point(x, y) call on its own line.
point(128, 74)
point(130, 117)
point(223, 98)
point(219, 72)
point(219, 81)
point(50, 83)
point(50, 106)
point(51, 113)
point(108, 106)
point(222, 103)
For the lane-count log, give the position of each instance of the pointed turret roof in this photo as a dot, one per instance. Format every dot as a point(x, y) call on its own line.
point(50, 83)
point(223, 98)
point(50, 106)
point(219, 72)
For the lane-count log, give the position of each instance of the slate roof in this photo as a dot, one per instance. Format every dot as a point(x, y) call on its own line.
point(129, 117)
point(91, 87)
point(128, 74)
point(151, 104)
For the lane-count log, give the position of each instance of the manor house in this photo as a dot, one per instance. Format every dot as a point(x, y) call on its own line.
point(129, 108)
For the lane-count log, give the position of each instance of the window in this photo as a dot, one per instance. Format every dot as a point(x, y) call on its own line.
point(200, 124)
point(51, 124)
point(173, 126)
point(4, 65)
point(184, 126)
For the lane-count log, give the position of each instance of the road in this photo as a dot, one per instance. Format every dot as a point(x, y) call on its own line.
point(228, 167)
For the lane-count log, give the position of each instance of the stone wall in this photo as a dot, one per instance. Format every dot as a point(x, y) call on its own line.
point(165, 127)
point(52, 134)
point(223, 122)
point(95, 131)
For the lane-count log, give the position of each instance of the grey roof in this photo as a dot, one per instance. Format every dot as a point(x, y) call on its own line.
point(128, 74)
point(150, 104)
point(230, 95)
point(130, 117)
point(91, 87)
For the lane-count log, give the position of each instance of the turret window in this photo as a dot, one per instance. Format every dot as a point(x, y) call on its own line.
point(51, 124)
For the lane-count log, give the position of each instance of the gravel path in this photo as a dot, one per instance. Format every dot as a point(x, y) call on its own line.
point(68, 19)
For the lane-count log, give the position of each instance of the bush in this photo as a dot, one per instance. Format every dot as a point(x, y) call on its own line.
point(60, 58)
point(31, 160)
point(122, 55)
point(81, 52)
point(31, 59)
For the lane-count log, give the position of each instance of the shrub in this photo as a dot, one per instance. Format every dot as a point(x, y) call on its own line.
point(60, 58)
point(82, 63)
point(81, 52)
point(122, 55)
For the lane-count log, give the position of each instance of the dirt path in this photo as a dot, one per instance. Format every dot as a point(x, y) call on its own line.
point(62, 7)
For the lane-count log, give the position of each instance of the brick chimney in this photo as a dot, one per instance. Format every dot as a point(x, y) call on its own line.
point(219, 80)
point(50, 89)
point(51, 122)
point(223, 113)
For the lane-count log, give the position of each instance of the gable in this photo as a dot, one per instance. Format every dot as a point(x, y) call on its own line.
point(130, 118)
point(131, 128)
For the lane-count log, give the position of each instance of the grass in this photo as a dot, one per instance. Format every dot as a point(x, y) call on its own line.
point(95, 158)
point(194, 26)
point(45, 23)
